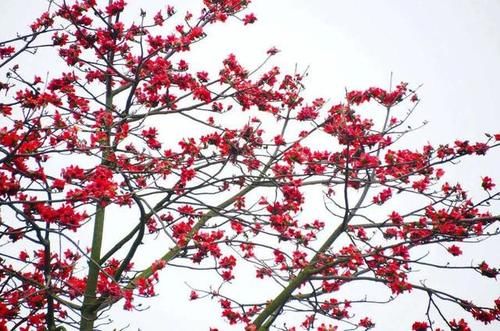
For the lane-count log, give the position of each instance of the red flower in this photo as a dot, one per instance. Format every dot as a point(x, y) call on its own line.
point(395, 218)
point(23, 256)
point(487, 183)
point(158, 19)
point(202, 93)
point(6, 51)
point(115, 7)
point(460, 325)
point(420, 326)
point(227, 262)
point(383, 196)
point(5, 110)
point(249, 19)
point(366, 322)
point(485, 270)
point(455, 250)
point(193, 295)
point(273, 51)
point(227, 275)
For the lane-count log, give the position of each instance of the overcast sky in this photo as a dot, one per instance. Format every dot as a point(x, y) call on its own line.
point(452, 47)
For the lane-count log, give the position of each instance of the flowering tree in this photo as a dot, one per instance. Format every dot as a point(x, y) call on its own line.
point(234, 195)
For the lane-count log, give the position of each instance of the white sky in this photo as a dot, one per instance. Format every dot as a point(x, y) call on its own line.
point(452, 47)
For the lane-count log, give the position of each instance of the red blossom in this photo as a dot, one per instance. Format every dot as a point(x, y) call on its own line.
point(420, 326)
point(115, 7)
point(249, 18)
point(454, 250)
point(6, 51)
point(366, 323)
point(193, 295)
point(487, 183)
point(487, 271)
point(460, 325)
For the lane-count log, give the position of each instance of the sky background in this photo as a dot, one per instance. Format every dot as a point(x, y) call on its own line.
point(452, 47)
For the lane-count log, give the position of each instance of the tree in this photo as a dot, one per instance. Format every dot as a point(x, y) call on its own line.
point(93, 144)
